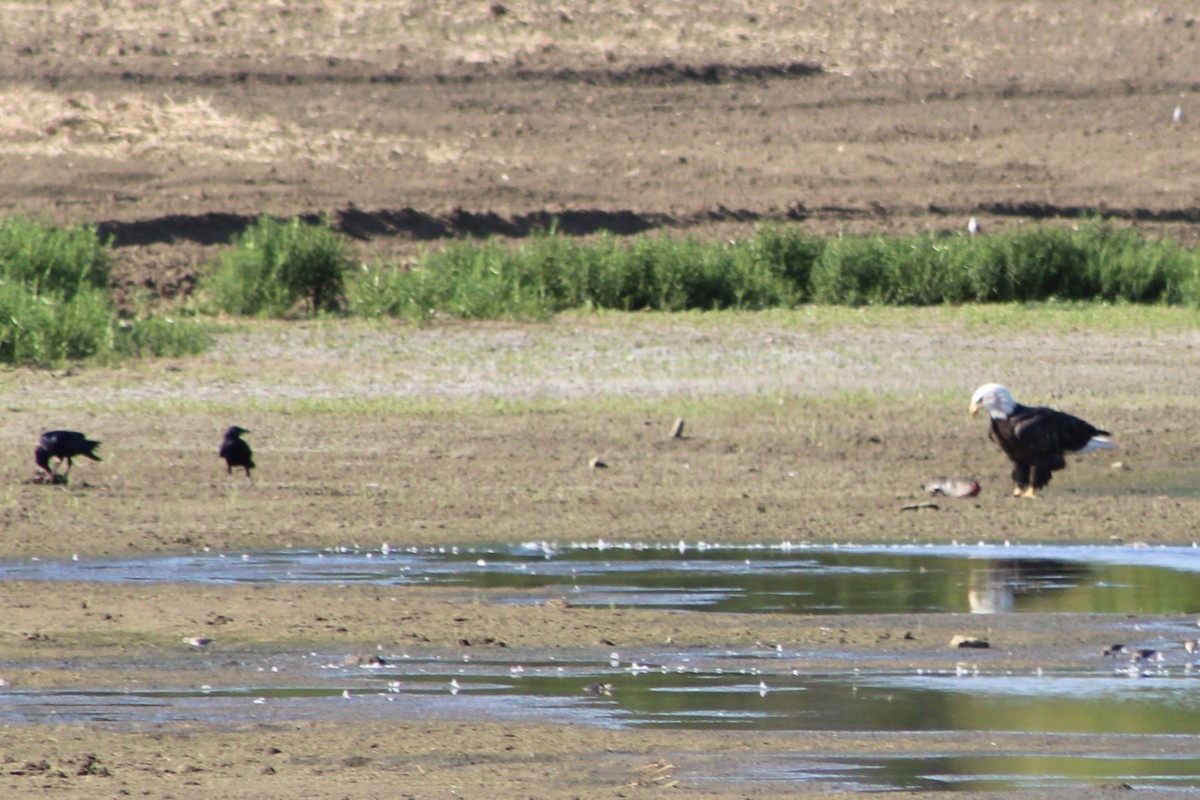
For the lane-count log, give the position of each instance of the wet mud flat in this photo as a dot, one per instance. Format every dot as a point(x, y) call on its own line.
point(809, 428)
point(446, 759)
point(763, 702)
point(421, 736)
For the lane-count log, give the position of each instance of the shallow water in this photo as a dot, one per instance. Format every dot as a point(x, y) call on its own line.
point(777, 579)
point(763, 688)
point(708, 690)
point(672, 696)
point(1006, 772)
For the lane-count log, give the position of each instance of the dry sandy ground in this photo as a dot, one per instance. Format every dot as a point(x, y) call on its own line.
point(799, 425)
point(173, 124)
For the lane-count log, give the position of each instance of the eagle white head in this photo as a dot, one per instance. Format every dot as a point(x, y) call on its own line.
point(994, 399)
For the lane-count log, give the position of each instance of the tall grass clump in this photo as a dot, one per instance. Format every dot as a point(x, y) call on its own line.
point(463, 281)
point(552, 273)
point(44, 329)
point(1090, 262)
point(1187, 286)
point(778, 267)
point(926, 269)
point(1130, 268)
point(788, 253)
point(55, 304)
point(274, 265)
point(52, 262)
point(880, 270)
point(1036, 264)
point(664, 274)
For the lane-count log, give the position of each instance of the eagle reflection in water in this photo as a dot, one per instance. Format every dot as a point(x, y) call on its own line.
point(995, 587)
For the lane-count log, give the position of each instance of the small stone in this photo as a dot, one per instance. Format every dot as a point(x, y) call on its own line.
point(597, 463)
point(677, 429)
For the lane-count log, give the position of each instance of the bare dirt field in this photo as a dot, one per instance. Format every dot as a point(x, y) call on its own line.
point(408, 123)
point(172, 125)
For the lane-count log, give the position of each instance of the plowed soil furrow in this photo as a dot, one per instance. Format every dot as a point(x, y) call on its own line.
point(408, 125)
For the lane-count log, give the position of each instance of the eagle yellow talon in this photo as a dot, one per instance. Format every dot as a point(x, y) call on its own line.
point(1030, 492)
point(1018, 491)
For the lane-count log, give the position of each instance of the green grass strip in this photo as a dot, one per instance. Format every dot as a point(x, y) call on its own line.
point(779, 267)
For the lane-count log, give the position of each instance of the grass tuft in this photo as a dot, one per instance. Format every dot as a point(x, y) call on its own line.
point(52, 262)
point(55, 305)
point(551, 273)
point(159, 336)
point(274, 265)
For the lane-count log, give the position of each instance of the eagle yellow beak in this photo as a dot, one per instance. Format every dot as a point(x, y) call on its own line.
point(974, 409)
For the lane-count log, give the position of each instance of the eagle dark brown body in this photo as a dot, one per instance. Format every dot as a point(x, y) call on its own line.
point(1035, 439)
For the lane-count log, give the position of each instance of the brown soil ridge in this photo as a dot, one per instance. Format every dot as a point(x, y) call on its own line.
point(340, 71)
point(1034, 210)
point(221, 227)
point(666, 73)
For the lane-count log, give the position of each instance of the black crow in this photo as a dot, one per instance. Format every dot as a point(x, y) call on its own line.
point(63, 445)
point(236, 452)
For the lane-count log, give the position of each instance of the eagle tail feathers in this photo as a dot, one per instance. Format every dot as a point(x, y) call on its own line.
point(1098, 443)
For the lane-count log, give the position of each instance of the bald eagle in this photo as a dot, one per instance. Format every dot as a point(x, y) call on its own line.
point(1035, 439)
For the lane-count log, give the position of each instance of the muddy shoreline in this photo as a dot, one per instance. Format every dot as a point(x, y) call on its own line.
point(172, 124)
point(799, 427)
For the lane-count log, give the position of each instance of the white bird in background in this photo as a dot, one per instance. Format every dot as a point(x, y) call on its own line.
point(1177, 116)
point(973, 226)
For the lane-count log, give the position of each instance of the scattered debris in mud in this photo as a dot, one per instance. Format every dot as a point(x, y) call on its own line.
point(48, 478)
point(952, 487)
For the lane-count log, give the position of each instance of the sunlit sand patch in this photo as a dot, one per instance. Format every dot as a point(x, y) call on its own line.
point(46, 124)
